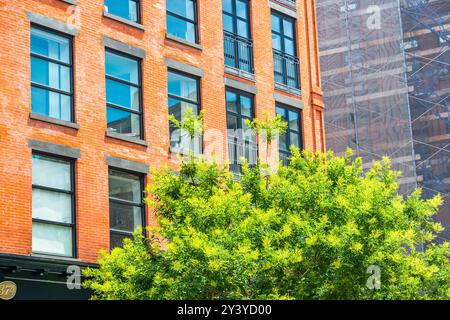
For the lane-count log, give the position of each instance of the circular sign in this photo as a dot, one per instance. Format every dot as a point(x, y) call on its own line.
point(8, 290)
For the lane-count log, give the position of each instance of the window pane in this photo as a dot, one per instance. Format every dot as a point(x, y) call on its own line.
point(181, 28)
point(293, 120)
point(231, 123)
point(295, 139)
point(180, 140)
point(122, 67)
point(231, 101)
point(242, 28)
point(282, 112)
point(51, 239)
point(275, 23)
point(50, 45)
point(289, 47)
point(51, 104)
point(124, 122)
point(246, 106)
point(228, 23)
point(276, 42)
point(123, 8)
point(288, 28)
point(178, 108)
point(241, 9)
point(50, 74)
point(116, 240)
point(283, 144)
point(51, 172)
point(124, 217)
point(227, 6)
point(125, 186)
point(52, 206)
point(247, 133)
point(184, 8)
point(182, 86)
point(122, 94)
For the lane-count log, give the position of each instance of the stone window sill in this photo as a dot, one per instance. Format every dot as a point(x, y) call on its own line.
point(184, 41)
point(124, 21)
point(63, 123)
point(119, 136)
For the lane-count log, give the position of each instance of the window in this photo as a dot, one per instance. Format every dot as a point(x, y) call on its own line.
point(123, 94)
point(410, 44)
point(183, 95)
point(51, 74)
point(182, 19)
point(237, 44)
point(444, 38)
point(284, 50)
point(53, 205)
point(236, 17)
point(293, 135)
point(241, 139)
point(127, 9)
point(126, 207)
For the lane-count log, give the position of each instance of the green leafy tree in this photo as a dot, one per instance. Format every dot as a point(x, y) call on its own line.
point(191, 123)
point(314, 232)
point(267, 128)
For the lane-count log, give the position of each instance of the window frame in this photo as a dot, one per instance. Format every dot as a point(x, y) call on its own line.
point(195, 22)
point(140, 113)
point(142, 205)
point(240, 117)
point(288, 130)
point(72, 225)
point(69, 65)
point(172, 96)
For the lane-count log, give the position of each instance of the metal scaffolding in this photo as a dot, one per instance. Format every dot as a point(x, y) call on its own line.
point(386, 78)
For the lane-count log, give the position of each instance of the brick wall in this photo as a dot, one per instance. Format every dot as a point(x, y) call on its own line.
point(16, 127)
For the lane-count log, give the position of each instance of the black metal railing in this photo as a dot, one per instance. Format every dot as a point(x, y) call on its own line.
point(239, 148)
point(286, 69)
point(238, 52)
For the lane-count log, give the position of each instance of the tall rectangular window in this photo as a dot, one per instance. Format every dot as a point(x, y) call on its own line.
point(184, 94)
point(53, 206)
point(51, 74)
point(182, 19)
point(126, 206)
point(293, 134)
point(123, 94)
point(241, 139)
point(236, 27)
point(286, 63)
point(127, 9)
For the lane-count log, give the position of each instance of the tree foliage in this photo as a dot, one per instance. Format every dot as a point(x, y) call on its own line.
point(191, 123)
point(312, 232)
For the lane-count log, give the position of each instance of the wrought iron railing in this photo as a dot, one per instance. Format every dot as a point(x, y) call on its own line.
point(238, 52)
point(286, 69)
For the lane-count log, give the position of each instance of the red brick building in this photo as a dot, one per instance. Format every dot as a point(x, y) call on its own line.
point(86, 87)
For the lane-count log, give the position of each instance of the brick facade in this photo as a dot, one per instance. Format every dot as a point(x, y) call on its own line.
point(91, 170)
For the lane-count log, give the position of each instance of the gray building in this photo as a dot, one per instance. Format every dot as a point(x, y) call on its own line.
point(386, 76)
